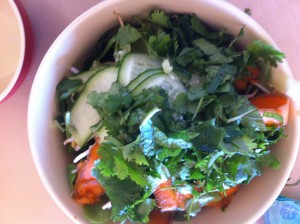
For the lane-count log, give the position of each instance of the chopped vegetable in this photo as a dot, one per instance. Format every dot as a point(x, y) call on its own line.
point(274, 108)
point(226, 198)
point(241, 84)
point(87, 189)
point(165, 196)
point(178, 131)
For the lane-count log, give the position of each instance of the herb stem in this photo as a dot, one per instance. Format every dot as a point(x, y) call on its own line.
point(114, 141)
point(240, 116)
point(198, 108)
point(190, 210)
point(119, 18)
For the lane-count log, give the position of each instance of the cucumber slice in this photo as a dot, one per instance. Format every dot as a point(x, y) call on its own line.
point(168, 82)
point(134, 64)
point(141, 77)
point(85, 75)
point(83, 115)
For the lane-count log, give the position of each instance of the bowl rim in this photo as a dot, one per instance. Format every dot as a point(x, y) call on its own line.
point(26, 48)
point(66, 31)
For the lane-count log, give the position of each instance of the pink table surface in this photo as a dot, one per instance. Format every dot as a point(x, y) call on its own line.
point(23, 199)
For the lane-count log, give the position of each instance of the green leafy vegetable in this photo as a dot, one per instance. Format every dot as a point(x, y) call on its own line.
point(71, 174)
point(265, 51)
point(95, 213)
point(208, 136)
point(160, 18)
point(127, 35)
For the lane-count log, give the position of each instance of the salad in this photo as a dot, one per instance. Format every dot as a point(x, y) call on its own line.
point(167, 116)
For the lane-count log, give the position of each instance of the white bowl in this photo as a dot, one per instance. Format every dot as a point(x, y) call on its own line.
point(15, 47)
point(70, 49)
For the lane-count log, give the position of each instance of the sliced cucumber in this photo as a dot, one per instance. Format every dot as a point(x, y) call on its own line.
point(134, 64)
point(83, 115)
point(141, 77)
point(85, 75)
point(168, 82)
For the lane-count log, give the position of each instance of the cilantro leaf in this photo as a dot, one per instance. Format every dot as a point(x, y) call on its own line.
point(267, 159)
point(166, 153)
point(107, 103)
point(133, 153)
point(159, 44)
point(223, 74)
point(188, 55)
point(243, 145)
point(106, 164)
point(206, 47)
point(162, 140)
point(208, 134)
point(71, 175)
point(127, 35)
point(128, 193)
point(64, 91)
point(159, 17)
point(265, 51)
point(240, 169)
point(200, 28)
point(113, 163)
point(140, 211)
point(95, 213)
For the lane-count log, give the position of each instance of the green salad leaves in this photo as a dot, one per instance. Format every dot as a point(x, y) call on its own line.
point(206, 150)
point(208, 136)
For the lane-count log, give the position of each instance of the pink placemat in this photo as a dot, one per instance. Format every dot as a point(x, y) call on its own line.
point(23, 199)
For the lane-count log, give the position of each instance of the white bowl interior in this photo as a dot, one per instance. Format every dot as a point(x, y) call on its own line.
point(70, 49)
